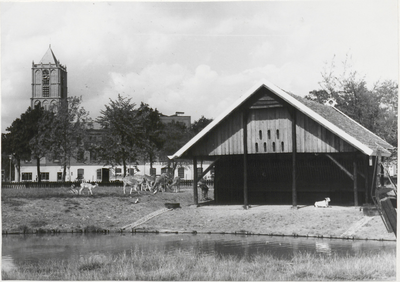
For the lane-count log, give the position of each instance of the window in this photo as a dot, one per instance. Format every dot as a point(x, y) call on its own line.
point(80, 173)
point(118, 171)
point(44, 176)
point(45, 83)
point(59, 176)
point(260, 134)
point(199, 171)
point(181, 172)
point(27, 176)
point(131, 171)
point(163, 170)
point(98, 172)
point(153, 171)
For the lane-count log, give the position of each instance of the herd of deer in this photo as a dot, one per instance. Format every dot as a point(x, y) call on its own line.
point(139, 183)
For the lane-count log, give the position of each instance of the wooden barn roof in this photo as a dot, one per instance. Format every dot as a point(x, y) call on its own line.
point(329, 117)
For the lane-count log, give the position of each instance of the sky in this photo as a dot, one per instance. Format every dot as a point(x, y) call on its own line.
point(192, 57)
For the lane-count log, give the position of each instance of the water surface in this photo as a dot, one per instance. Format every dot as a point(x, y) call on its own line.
point(63, 246)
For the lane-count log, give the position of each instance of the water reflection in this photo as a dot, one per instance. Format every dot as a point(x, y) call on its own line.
point(62, 246)
point(7, 263)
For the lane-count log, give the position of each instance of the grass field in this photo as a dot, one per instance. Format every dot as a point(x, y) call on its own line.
point(183, 266)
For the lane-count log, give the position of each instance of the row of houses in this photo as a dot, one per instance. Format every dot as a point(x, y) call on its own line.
point(53, 172)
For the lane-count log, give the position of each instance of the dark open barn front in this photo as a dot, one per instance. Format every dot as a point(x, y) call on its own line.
point(272, 147)
point(270, 182)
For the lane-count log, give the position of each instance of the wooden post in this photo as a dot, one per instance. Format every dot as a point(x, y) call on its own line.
point(366, 178)
point(245, 159)
point(195, 195)
point(355, 180)
point(294, 153)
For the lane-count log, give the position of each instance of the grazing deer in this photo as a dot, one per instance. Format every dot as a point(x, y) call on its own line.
point(133, 181)
point(147, 182)
point(87, 186)
point(160, 181)
point(177, 183)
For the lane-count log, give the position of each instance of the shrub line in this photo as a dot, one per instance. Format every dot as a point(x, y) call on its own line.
point(167, 231)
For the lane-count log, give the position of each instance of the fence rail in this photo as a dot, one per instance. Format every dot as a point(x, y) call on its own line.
point(56, 184)
point(51, 184)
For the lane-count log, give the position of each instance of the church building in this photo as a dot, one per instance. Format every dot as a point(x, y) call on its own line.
point(49, 81)
point(49, 87)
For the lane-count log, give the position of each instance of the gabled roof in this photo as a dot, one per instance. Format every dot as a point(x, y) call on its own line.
point(329, 117)
point(49, 57)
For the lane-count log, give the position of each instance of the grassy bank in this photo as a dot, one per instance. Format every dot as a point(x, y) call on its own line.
point(56, 209)
point(184, 266)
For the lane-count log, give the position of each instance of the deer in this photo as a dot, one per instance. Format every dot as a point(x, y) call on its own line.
point(87, 186)
point(147, 182)
point(177, 183)
point(134, 181)
point(160, 181)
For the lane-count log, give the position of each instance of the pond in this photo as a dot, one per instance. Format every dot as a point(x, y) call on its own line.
point(63, 246)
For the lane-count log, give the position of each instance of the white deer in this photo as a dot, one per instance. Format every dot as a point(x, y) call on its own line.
point(87, 186)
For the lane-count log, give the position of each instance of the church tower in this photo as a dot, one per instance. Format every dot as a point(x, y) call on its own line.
point(49, 81)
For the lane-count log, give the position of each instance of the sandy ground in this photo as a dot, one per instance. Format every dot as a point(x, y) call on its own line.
point(109, 209)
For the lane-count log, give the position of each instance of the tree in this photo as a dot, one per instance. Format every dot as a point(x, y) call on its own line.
point(375, 109)
point(152, 132)
point(21, 131)
point(62, 132)
point(40, 144)
point(123, 135)
point(175, 134)
point(198, 125)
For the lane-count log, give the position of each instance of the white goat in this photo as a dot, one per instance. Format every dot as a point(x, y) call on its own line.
point(88, 186)
point(322, 204)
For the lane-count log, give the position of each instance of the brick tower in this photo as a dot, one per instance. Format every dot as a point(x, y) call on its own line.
point(49, 81)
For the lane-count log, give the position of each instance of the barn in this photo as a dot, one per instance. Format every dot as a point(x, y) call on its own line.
point(273, 147)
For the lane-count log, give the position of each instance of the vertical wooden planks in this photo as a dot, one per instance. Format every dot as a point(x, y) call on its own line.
point(196, 198)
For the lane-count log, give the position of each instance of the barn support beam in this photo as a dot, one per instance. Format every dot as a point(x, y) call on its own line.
point(245, 199)
point(340, 166)
point(366, 163)
point(195, 195)
point(294, 154)
point(207, 170)
point(355, 180)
